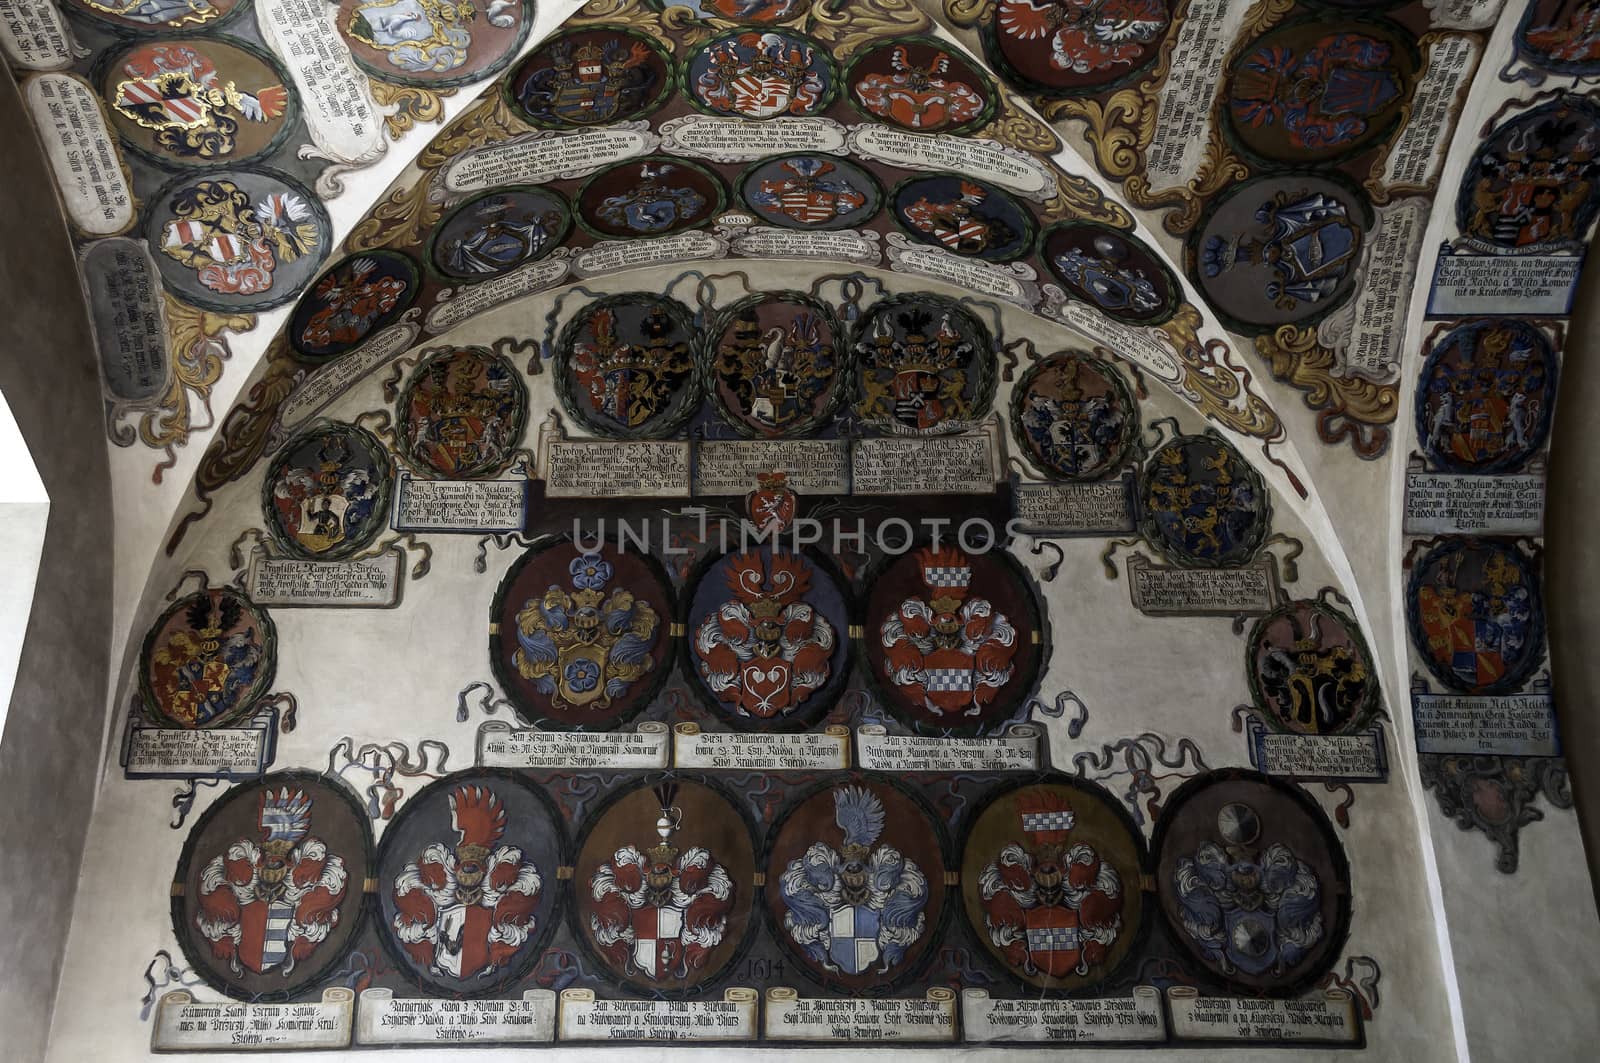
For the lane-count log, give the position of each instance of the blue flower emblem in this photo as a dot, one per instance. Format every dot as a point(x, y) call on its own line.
point(582, 676)
point(590, 572)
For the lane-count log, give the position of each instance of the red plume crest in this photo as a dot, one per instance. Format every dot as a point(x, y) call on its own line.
point(477, 815)
point(748, 579)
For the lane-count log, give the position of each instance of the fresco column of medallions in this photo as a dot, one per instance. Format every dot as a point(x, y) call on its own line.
point(194, 143)
point(1292, 154)
point(1489, 364)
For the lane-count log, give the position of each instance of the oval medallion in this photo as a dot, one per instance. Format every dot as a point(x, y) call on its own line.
point(1560, 36)
point(462, 413)
point(1112, 271)
point(1310, 671)
point(578, 638)
point(499, 231)
point(1075, 416)
point(625, 366)
point(665, 886)
point(1485, 397)
point(467, 882)
point(923, 366)
point(207, 660)
point(953, 640)
point(768, 637)
point(965, 216)
point(590, 77)
point(1051, 882)
point(351, 303)
point(433, 43)
point(1476, 617)
point(774, 365)
point(921, 85)
point(761, 75)
point(810, 192)
point(1202, 504)
point(326, 494)
point(267, 898)
point(1530, 188)
point(855, 884)
point(650, 197)
point(1074, 47)
point(1253, 882)
point(198, 101)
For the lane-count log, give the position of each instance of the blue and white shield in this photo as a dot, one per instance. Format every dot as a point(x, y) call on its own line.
point(854, 931)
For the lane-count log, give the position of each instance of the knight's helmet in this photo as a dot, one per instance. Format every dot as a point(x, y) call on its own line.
point(1047, 820)
point(947, 573)
point(479, 820)
point(859, 813)
point(285, 818)
point(663, 854)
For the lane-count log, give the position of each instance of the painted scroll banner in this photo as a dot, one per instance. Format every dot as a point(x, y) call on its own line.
point(1328, 1017)
point(1146, 346)
point(1368, 332)
point(335, 97)
point(33, 35)
point(467, 506)
point(726, 139)
point(579, 469)
point(1016, 750)
point(791, 1017)
point(232, 752)
point(539, 158)
point(955, 465)
point(613, 256)
point(1162, 590)
point(83, 154)
point(1456, 504)
point(334, 379)
point(1414, 160)
point(1516, 725)
point(384, 1019)
point(813, 466)
point(286, 583)
point(1008, 167)
point(1015, 282)
point(1183, 111)
point(1347, 758)
point(845, 245)
point(184, 1024)
point(501, 745)
point(128, 319)
point(731, 750)
point(584, 1017)
point(1466, 285)
point(454, 307)
point(1086, 1020)
point(1063, 509)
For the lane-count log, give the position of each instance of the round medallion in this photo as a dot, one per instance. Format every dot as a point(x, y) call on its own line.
point(1202, 504)
point(462, 413)
point(761, 75)
point(156, 16)
point(774, 365)
point(1074, 47)
point(744, 12)
point(1314, 91)
point(197, 101)
point(207, 660)
point(953, 639)
point(594, 76)
point(1476, 617)
point(1051, 883)
point(855, 884)
point(267, 898)
point(1530, 188)
point(815, 192)
point(326, 495)
point(1253, 882)
point(919, 84)
point(964, 216)
point(1310, 670)
point(665, 886)
point(1560, 37)
point(625, 366)
point(1485, 397)
point(1112, 271)
point(579, 638)
point(468, 882)
point(1075, 416)
point(351, 303)
point(237, 241)
point(650, 197)
point(768, 638)
point(923, 366)
point(497, 232)
point(1281, 250)
point(433, 43)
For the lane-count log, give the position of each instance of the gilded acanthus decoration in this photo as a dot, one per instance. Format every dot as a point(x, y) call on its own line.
point(405, 106)
point(1349, 408)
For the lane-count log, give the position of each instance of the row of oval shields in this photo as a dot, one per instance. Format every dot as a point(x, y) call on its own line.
point(673, 878)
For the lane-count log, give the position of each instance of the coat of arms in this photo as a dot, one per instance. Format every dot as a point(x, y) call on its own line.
point(1075, 430)
point(232, 244)
point(963, 223)
point(917, 95)
point(584, 647)
point(1483, 403)
point(498, 233)
point(653, 205)
point(761, 75)
point(1309, 243)
point(424, 36)
point(1051, 906)
point(350, 300)
point(658, 914)
point(814, 192)
point(1477, 614)
point(464, 910)
point(1105, 277)
point(855, 906)
point(1320, 97)
point(949, 651)
point(1203, 505)
point(177, 92)
point(1085, 35)
point(777, 374)
point(765, 650)
point(631, 383)
point(168, 14)
point(914, 376)
point(1310, 670)
point(772, 504)
point(323, 505)
point(590, 79)
point(204, 671)
point(1248, 910)
point(268, 904)
point(1531, 188)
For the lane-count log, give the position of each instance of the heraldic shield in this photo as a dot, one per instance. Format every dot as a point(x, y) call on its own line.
point(666, 876)
point(267, 897)
point(467, 877)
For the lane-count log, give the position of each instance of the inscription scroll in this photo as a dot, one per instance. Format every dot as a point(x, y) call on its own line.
point(476, 506)
point(1368, 331)
point(846, 245)
point(1087, 1020)
point(172, 753)
point(814, 466)
point(128, 319)
point(1417, 154)
point(1329, 1017)
point(1143, 345)
point(1183, 108)
point(33, 35)
point(1520, 725)
point(454, 308)
point(539, 158)
point(1357, 757)
point(384, 1019)
point(1466, 285)
point(1057, 509)
point(1015, 283)
point(184, 1024)
point(726, 139)
point(83, 154)
point(367, 583)
point(613, 256)
point(501, 745)
point(580, 469)
point(585, 1017)
point(1016, 750)
point(337, 377)
point(956, 465)
point(694, 748)
point(1455, 504)
point(791, 1017)
point(1005, 166)
point(1163, 590)
point(335, 97)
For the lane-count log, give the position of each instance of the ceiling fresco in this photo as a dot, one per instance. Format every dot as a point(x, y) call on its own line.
point(982, 523)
